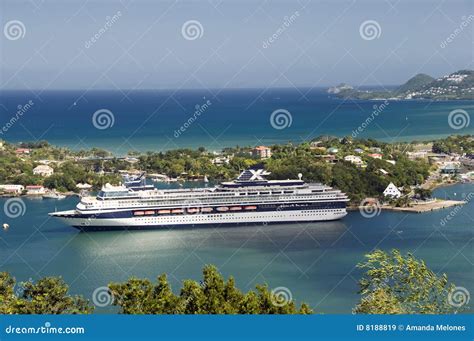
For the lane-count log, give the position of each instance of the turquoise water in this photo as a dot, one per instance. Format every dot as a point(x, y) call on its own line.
point(148, 120)
point(315, 261)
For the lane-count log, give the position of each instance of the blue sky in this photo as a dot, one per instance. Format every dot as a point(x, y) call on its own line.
point(145, 48)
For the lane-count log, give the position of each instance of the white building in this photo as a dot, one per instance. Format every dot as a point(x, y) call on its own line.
point(262, 152)
point(221, 160)
point(356, 160)
point(83, 186)
point(43, 170)
point(35, 190)
point(392, 191)
point(15, 189)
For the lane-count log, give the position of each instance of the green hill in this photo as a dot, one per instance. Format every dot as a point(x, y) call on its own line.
point(415, 83)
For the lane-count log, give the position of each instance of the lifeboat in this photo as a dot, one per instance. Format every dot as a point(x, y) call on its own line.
point(138, 213)
point(206, 209)
point(149, 212)
point(164, 211)
point(177, 211)
point(250, 208)
point(222, 209)
point(236, 208)
point(193, 210)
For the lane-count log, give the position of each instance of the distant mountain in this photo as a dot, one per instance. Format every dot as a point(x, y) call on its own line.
point(455, 86)
point(415, 83)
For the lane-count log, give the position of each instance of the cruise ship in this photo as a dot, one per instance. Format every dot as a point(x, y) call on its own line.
point(250, 199)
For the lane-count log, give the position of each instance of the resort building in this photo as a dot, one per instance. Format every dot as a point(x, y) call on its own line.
point(221, 160)
point(356, 160)
point(83, 186)
point(43, 170)
point(376, 156)
point(19, 151)
point(262, 152)
point(450, 168)
point(392, 191)
point(13, 189)
point(35, 190)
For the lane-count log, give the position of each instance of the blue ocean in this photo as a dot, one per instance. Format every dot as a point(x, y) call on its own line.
point(316, 261)
point(167, 119)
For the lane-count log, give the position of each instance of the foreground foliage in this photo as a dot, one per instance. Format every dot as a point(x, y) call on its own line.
point(214, 295)
point(47, 296)
point(394, 284)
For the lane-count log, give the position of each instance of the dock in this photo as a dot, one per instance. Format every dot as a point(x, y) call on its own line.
point(425, 207)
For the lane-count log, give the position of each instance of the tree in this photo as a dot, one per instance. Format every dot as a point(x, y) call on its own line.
point(422, 193)
point(48, 296)
point(396, 284)
point(214, 295)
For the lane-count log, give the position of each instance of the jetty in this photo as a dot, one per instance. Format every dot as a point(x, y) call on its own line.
point(425, 207)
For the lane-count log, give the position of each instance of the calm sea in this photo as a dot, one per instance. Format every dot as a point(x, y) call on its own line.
point(315, 261)
point(148, 120)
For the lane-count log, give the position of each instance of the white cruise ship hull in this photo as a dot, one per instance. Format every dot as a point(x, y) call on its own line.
point(196, 220)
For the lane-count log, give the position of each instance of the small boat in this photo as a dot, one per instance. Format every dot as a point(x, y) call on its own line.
point(138, 213)
point(206, 209)
point(236, 208)
point(149, 212)
point(54, 195)
point(5, 226)
point(250, 208)
point(206, 179)
point(178, 210)
point(164, 211)
point(222, 209)
point(193, 210)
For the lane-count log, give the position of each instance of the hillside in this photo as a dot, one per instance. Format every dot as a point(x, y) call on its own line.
point(415, 83)
point(455, 86)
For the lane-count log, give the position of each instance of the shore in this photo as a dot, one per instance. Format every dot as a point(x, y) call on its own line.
point(425, 207)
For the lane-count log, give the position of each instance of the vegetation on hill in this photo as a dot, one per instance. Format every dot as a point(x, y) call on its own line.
point(97, 167)
point(415, 83)
point(458, 85)
point(392, 284)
